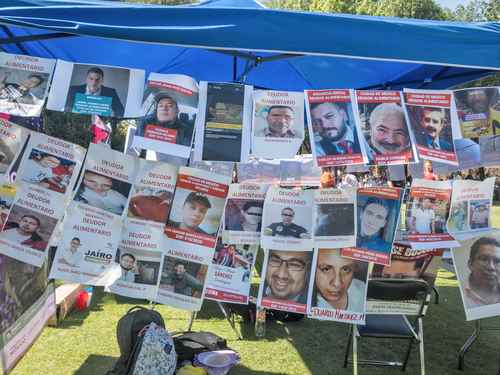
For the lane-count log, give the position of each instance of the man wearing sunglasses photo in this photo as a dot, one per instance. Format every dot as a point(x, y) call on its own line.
point(287, 228)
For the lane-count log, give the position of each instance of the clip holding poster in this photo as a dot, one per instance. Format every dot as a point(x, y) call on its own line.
point(287, 220)
point(24, 83)
point(223, 123)
point(384, 123)
point(333, 128)
point(432, 123)
point(377, 219)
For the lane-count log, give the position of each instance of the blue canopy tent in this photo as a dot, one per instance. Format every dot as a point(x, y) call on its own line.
point(235, 40)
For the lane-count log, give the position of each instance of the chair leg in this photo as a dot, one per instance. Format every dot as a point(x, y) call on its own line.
point(407, 355)
point(468, 344)
point(348, 347)
point(436, 297)
point(354, 350)
point(421, 345)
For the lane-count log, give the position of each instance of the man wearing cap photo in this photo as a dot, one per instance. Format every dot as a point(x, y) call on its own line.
point(165, 115)
point(194, 210)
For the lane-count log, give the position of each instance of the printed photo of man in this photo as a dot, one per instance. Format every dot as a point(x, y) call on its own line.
point(373, 218)
point(431, 129)
point(340, 283)
point(479, 215)
point(25, 232)
point(94, 85)
point(423, 217)
point(194, 210)
point(165, 114)
point(333, 132)
point(335, 220)
point(287, 275)
point(280, 119)
point(21, 93)
point(127, 268)
point(246, 219)
point(483, 284)
point(388, 133)
point(98, 191)
point(181, 281)
point(286, 227)
point(70, 255)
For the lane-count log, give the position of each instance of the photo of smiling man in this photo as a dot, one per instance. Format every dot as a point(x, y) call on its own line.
point(286, 280)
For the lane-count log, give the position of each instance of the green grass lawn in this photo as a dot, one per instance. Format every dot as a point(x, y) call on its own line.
point(85, 343)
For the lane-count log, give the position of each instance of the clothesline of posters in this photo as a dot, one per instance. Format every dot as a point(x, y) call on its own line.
point(233, 121)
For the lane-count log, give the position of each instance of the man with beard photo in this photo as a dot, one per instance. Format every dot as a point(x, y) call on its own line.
point(182, 282)
point(388, 133)
point(25, 232)
point(127, 267)
point(333, 135)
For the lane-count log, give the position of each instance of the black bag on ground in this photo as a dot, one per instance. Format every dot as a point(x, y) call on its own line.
point(127, 334)
point(188, 344)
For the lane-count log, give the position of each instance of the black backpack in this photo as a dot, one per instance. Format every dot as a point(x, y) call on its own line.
point(127, 333)
point(188, 344)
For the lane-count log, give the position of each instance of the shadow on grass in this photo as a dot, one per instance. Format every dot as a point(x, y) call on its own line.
point(96, 364)
point(76, 318)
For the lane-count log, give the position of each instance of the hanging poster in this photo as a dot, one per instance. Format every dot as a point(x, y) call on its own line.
point(287, 220)
point(299, 171)
point(477, 109)
point(490, 150)
point(406, 263)
point(183, 275)
point(333, 131)
point(384, 123)
point(31, 220)
point(426, 214)
point(224, 122)
point(432, 125)
point(334, 218)
point(138, 259)
point(24, 82)
point(169, 110)
point(337, 288)
point(12, 140)
point(230, 275)
point(243, 214)
point(377, 217)
point(278, 124)
point(477, 266)
point(471, 206)
point(96, 90)
point(197, 207)
point(27, 302)
point(286, 280)
point(51, 164)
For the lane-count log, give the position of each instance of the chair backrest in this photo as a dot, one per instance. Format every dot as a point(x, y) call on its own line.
point(399, 290)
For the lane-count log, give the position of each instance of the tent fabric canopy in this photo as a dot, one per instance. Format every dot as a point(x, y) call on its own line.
point(229, 40)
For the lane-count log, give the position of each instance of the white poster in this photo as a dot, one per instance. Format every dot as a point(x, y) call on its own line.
point(299, 171)
point(230, 275)
point(384, 123)
point(139, 254)
point(287, 220)
point(223, 123)
point(184, 273)
point(337, 288)
point(490, 150)
point(198, 206)
point(12, 140)
point(96, 90)
point(24, 82)
point(471, 206)
point(277, 124)
point(477, 265)
point(427, 211)
point(433, 126)
point(334, 131)
point(169, 110)
point(31, 220)
point(285, 282)
point(259, 171)
point(52, 164)
point(243, 214)
point(334, 218)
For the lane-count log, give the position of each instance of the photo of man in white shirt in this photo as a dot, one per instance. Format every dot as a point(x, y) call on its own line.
point(423, 219)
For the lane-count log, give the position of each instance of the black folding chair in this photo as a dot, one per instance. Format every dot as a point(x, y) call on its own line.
point(391, 324)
